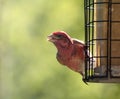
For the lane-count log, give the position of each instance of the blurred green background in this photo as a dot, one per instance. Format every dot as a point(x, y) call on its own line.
point(28, 68)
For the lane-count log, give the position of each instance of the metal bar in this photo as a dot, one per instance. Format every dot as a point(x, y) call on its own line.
point(89, 32)
point(107, 2)
point(92, 67)
point(115, 76)
point(86, 60)
point(99, 39)
point(115, 57)
point(95, 76)
point(108, 26)
point(115, 40)
point(110, 34)
point(90, 24)
point(107, 21)
point(99, 56)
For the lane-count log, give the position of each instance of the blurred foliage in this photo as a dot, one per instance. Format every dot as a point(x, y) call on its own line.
point(28, 68)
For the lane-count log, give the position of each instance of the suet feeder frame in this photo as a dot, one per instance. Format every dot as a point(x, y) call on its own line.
point(102, 39)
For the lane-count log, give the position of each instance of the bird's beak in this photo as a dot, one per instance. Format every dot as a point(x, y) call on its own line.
point(51, 38)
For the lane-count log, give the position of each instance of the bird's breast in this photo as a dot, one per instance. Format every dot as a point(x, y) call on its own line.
point(73, 62)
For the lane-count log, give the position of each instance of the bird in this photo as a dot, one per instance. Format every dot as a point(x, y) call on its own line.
point(70, 51)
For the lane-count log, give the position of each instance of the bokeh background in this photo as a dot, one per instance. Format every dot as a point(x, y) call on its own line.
point(28, 68)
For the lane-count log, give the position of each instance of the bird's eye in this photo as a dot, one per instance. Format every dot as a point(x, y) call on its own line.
point(59, 36)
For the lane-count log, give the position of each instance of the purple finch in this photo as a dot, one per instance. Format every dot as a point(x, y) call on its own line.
point(71, 52)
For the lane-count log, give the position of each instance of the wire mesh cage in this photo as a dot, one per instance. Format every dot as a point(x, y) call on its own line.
point(102, 39)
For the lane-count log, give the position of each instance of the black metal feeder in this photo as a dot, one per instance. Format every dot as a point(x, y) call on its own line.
point(102, 39)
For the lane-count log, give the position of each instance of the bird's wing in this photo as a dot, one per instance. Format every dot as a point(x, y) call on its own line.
point(82, 44)
point(79, 48)
point(88, 54)
point(76, 41)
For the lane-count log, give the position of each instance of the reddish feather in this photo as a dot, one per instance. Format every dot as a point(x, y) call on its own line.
point(70, 51)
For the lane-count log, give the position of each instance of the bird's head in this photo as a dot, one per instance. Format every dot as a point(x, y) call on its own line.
point(60, 39)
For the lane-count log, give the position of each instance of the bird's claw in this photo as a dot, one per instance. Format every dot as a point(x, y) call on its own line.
point(85, 81)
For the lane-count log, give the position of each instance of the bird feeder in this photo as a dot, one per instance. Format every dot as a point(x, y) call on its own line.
point(102, 39)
